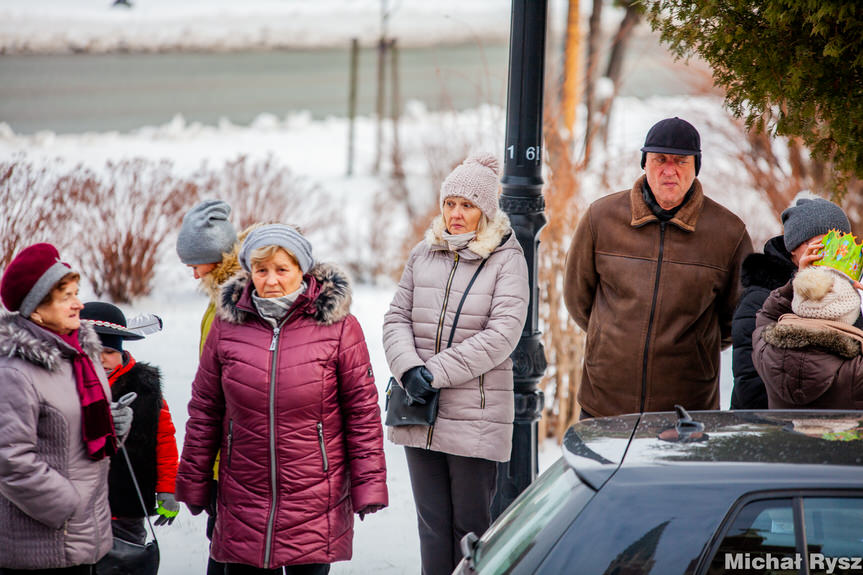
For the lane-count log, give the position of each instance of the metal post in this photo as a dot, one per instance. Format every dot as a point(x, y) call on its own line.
point(522, 200)
point(352, 102)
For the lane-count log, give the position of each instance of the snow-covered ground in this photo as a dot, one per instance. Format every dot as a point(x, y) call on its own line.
point(39, 26)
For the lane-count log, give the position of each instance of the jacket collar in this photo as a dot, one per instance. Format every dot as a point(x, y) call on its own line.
point(481, 246)
point(327, 299)
point(24, 340)
point(685, 218)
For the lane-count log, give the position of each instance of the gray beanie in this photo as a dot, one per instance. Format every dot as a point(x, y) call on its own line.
point(206, 233)
point(277, 235)
point(812, 217)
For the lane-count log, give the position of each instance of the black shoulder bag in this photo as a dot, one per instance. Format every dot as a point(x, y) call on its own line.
point(399, 409)
point(126, 557)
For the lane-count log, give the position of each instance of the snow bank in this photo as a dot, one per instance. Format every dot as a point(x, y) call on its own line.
point(160, 25)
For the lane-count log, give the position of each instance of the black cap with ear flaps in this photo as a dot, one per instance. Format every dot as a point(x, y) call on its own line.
point(673, 136)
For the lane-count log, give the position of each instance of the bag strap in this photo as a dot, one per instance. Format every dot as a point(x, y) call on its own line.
point(461, 303)
point(138, 491)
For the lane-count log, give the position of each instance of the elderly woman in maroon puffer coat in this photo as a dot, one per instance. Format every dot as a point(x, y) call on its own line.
point(285, 389)
point(469, 274)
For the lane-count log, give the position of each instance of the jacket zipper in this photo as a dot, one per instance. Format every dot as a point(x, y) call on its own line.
point(323, 447)
point(481, 392)
point(430, 434)
point(274, 362)
point(650, 319)
point(230, 440)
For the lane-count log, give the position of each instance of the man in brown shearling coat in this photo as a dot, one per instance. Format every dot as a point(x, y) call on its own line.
point(653, 276)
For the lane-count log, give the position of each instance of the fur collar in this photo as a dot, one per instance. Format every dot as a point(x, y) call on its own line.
point(482, 245)
point(788, 336)
point(20, 338)
point(212, 283)
point(327, 299)
point(686, 217)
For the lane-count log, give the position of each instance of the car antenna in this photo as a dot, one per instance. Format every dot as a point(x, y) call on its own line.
point(685, 424)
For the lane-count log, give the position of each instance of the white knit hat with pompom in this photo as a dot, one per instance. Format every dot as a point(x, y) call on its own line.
point(477, 180)
point(821, 293)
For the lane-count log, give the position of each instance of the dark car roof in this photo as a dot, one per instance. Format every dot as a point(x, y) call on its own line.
point(596, 448)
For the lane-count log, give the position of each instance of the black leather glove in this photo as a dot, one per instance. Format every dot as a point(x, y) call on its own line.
point(417, 383)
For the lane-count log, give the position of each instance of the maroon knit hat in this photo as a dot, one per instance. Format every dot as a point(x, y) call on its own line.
point(30, 277)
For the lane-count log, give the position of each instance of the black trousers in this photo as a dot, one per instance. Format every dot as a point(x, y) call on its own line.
point(453, 497)
point(76, 570)
point(130, 528)
point(213, 566)
point(310, 569)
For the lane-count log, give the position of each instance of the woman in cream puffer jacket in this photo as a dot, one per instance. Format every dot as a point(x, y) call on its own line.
point(453, 463)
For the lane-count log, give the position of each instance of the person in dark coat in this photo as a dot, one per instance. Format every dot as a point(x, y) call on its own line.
point(804, 223)
point(761, 274)
point(151, 444)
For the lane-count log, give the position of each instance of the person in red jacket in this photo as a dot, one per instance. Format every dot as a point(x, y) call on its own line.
point(151, 444)
point(285, 391)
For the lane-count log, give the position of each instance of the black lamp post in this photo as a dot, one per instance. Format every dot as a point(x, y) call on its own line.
point(522, 200)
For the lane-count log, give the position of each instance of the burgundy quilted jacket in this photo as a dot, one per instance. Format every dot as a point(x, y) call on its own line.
point(295, 414)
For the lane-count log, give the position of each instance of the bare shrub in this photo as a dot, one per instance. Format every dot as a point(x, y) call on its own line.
point(563, 340)
point(265, 191)
point(126, 214)
point(29, 207)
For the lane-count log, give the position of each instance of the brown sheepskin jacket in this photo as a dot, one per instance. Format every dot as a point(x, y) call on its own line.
point(806, 363)
point(656, 301)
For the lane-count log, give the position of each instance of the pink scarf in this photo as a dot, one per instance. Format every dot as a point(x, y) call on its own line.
point(96, 422)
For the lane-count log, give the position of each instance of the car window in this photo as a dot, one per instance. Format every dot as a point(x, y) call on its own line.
point(515, 532)
point(760, 539)
point(763, 536)
point(834, 526)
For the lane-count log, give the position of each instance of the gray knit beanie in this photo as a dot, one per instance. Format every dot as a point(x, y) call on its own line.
point(206, 233)
point(822, 293)
point(277, 235)
point(812, 217)
point(476, 180)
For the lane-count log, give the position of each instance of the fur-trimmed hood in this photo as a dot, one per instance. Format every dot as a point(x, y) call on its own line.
point(791, 336)
point(482, 245)
point(770, 270)
point(212, 283)
point(327, 298)
point(23, 339)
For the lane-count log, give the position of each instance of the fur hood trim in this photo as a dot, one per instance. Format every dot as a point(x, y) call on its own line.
point(796, 337)
point(769, 270)
point(483, 244)
point(20, 338)
point(212, 283)
point(327, 298)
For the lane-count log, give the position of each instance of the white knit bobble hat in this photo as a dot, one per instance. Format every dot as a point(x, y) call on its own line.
point(821, 293)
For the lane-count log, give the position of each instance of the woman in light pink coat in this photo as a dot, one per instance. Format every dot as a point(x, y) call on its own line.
point(453, 463)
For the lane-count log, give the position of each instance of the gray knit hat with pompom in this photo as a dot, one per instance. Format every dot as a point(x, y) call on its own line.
point(476, 180)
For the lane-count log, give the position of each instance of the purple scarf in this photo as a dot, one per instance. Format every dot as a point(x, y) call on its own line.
point(96, 423)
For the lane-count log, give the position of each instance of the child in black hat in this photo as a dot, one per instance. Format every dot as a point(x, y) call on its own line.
point(151, 444)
